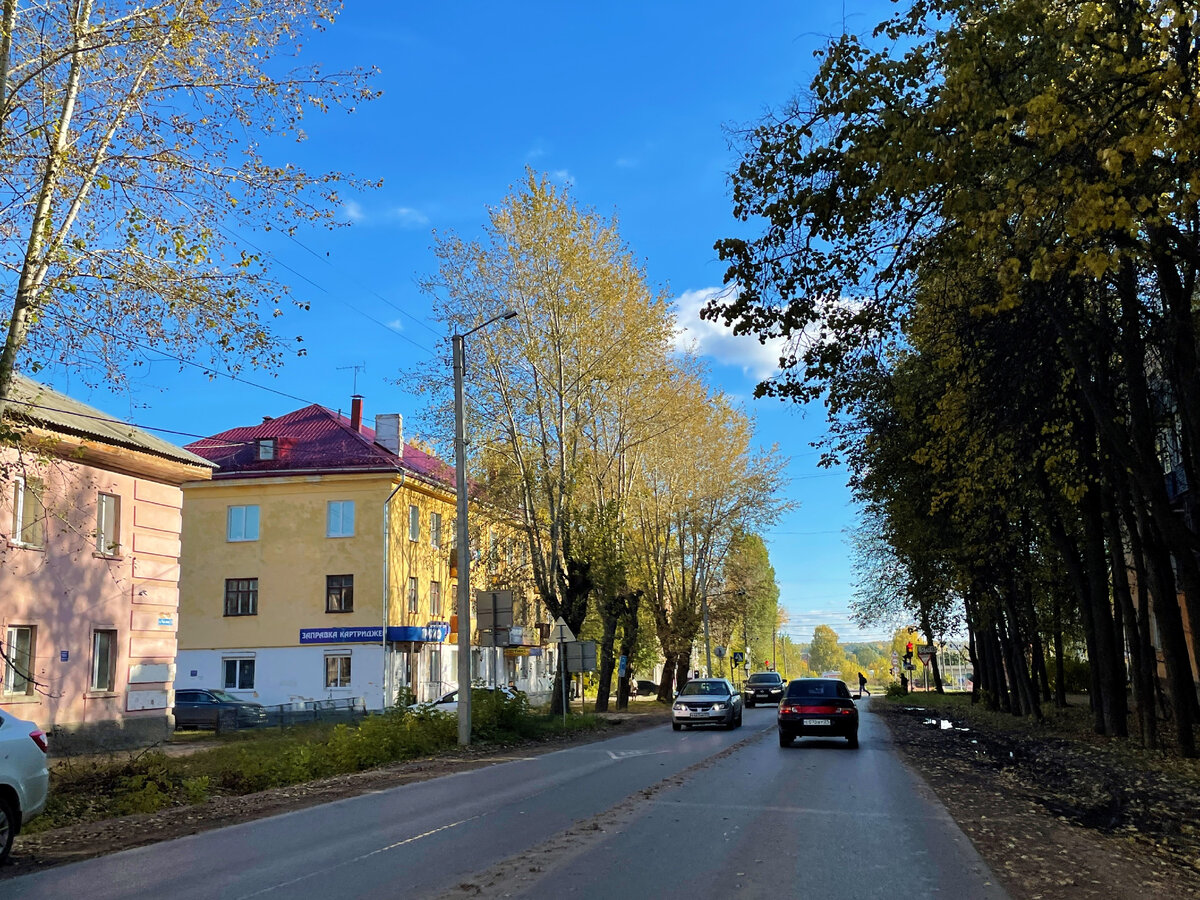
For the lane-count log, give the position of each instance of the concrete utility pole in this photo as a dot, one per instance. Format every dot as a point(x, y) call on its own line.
point(463, 533)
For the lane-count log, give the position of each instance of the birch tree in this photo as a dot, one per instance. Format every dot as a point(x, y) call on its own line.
point(133, 138)
point(555, 394)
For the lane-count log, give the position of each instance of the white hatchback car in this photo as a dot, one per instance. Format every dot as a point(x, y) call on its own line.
point(24, 776)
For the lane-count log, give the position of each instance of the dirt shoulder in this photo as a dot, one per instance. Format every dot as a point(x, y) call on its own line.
point(33, 852)
point(1058, 819)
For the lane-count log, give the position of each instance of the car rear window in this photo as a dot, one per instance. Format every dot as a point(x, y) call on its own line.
point(800, 690)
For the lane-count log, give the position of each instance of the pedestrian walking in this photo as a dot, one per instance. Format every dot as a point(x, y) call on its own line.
point(862, 685)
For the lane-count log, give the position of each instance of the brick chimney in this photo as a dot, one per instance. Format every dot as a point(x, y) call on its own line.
point(389, 432)
point(356, 412)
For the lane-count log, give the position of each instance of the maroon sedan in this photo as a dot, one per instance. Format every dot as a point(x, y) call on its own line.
point(820, 707)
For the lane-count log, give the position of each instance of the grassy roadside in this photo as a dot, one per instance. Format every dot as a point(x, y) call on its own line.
point(91, 789)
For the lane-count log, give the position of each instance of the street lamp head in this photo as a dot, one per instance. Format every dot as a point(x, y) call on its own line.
point(511, 314)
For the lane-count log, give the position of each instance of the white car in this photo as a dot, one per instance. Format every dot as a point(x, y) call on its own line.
point(448, 703)
point(24, 776)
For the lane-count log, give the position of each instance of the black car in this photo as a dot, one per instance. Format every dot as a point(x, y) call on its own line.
point(821, 707)
point(212, 708)
point(763, 687)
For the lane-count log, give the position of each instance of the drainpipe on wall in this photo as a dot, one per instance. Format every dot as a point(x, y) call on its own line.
point(389, 694)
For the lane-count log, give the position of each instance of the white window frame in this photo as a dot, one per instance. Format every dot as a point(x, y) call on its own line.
point(339, 518)
point(237, 683)
point(104, 660)
point(108, 524)
point(342, 673)
point(435, 599)
point(435, 530)
point(414, 523)
point(414, 596)
point(12, 671)
point(268, 448)
point(242, 523)
point(22, 489)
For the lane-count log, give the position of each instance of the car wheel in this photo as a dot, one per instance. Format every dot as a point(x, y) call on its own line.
point(750, 703)
point(8, 827)
point(675, 726)
point(227, 720)
point(738, 724)
point(785, 739)
point(853, 739)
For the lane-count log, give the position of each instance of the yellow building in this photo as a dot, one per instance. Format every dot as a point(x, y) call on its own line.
point(286, 593)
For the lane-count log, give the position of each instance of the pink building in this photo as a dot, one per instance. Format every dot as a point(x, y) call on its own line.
point(90, 510)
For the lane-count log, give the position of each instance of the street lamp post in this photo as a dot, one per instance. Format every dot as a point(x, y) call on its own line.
point(463, 534)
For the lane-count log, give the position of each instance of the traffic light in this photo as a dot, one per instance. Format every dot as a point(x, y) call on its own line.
point(908, 652)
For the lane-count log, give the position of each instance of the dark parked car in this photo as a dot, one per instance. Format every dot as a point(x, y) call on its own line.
point(645, 688)
point(707, 701)
point(763, 687)
point(212, 708)
point(821, 707)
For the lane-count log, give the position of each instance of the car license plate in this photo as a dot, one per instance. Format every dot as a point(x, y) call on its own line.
point(762, 693)
point(683, 713)
point(824, 722)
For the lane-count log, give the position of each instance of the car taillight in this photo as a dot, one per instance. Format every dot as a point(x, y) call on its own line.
point(39, 738)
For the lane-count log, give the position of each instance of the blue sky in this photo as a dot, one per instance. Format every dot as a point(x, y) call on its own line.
point(630, 104)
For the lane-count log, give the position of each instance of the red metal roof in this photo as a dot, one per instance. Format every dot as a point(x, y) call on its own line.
point(313, 439)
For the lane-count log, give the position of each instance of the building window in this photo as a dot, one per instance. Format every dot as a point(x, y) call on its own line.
point(104, 660)
point(108, 524)
point(435, 662)
point(266, 448)
point(239, 674)
point(435, 599)
point(339, 593)
point(241, 596)
point(29, 514)
point(435, 530)
point(337, 671)
point(241, 523)
point(18, 666)
point(412, 595)
point(414, 523)
point(339, 518)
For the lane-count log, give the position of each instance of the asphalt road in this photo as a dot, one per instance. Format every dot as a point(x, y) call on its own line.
point(658, 813)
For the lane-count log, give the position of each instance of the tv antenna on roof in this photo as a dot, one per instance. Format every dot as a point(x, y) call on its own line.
point(361, 367)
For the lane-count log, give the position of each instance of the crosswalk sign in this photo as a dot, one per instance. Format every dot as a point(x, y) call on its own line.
point(738, 658)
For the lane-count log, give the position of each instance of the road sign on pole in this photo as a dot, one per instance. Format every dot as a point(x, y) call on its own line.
point(581, 656)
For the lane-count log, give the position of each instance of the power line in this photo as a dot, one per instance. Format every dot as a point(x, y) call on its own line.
point(208, 370)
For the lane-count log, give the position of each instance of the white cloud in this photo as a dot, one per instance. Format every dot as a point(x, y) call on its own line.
point(715, 340)
point(563, 175)
point(404, 216)
point(627, 162)
point(396, 324)
point(408, 217)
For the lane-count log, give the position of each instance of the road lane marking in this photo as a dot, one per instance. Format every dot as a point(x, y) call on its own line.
point(358, 859)
point(630, 754)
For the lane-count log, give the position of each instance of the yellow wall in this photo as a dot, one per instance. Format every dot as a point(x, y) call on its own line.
point(420, 558)
point(290, 559)
point(292, 556)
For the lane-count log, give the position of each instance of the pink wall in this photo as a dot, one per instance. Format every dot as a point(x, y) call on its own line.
point(67, 590)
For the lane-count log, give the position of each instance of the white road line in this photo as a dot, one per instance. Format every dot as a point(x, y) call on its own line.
point(358, 859)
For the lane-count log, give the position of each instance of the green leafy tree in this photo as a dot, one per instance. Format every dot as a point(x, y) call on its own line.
point(825, 654)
